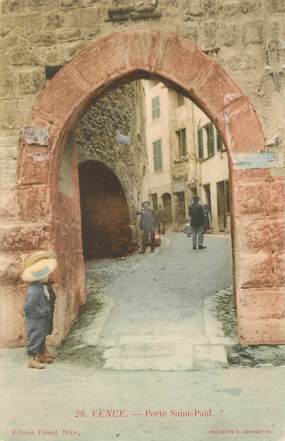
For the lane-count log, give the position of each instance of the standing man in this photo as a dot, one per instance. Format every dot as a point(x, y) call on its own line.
point(148, 224)
point(196, 213)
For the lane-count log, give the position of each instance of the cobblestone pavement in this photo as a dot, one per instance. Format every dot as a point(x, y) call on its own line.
point(157, 318)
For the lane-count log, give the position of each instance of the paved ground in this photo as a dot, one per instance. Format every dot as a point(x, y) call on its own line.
point(237, 400)
point(156, 308)
point(167, 290)
point(76, 399)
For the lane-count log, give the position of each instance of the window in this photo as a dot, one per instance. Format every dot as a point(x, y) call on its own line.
point(154, 200)
point(210, 139)
point(182, 146)
point(220, 145)
point(200, 144)
point(180, 100)
point(155, 105)
point(157, 155)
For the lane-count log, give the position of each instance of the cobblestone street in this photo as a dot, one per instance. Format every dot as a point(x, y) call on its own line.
point(154, 307)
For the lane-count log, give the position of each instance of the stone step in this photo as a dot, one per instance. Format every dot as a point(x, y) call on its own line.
point(174, 363)
point(155, 356)
point(177, 339)
point(148, 350)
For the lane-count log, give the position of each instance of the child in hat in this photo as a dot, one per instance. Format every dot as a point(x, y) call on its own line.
point(39, 306)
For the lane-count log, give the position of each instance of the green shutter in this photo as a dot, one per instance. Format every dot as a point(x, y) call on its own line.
point(155, 103)
point(220, 145)
point(157, 155)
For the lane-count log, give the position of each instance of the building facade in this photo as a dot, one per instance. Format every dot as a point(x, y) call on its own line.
point(186, 156)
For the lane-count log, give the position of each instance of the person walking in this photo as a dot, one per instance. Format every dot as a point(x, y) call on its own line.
point(196, 213)
point(162, 217)
point(39, 306)
point(148, 224)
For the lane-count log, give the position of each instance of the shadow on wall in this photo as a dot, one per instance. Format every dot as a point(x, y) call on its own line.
point(106, 230)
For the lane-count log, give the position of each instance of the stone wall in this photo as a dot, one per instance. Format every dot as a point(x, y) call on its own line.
point(38, 36)
point(111, 131)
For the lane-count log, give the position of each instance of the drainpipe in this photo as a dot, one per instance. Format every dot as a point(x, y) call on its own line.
point(195, 138)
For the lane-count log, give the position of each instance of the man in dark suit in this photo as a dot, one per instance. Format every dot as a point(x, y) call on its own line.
point(197, 215)
point(148, 224)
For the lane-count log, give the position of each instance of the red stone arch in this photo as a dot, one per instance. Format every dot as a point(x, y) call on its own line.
point(257, 214)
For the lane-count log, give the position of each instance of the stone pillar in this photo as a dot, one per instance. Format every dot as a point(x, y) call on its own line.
point(259, 230)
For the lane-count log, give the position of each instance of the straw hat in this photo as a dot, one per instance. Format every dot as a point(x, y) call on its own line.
point(39, 265)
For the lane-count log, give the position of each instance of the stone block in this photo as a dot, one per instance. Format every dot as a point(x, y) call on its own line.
point(43, 38)
point(262, 269)
point(57, 107)
point(276, 6)
point(248, 176)
point(10, 116)
point(249, 7)
point(257, 234)
point(27, 25)
point(25, 105)
point(253, 32)
point(5, 27)
point(149, 350)
point(207, 35)
point(216, 90)
point(12, 329)
point(19, 56)
point(175, 363)
point(91, 17)
point(24, 237)
point(244, 130)
point(67, 34)
point(39, 5)
point(53, 21)
point(275, 192)
point(34, 166)
point(10, 268)
point(228, 35)
point(34, 203)
point(30, 82)
point(251, 198)
point(179, 61)
point(9, 148)
point(72, 49)
point(6, 82)
point(11, 6)
point(210, 356)
point(93, 71)
point(8, 174)
point(8, 204)
point(192, 9)
point(69, 4)
point(258, 332)
point(261, 304)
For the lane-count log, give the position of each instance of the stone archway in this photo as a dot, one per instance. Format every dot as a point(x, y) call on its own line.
point(257, 205)
point(105, 216)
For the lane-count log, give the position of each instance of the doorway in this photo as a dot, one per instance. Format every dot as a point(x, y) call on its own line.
point(106, 230)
